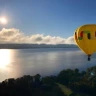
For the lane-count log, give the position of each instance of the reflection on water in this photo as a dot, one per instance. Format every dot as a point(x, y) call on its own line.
point(7, 65)
point(5, 58)
point(18, 62)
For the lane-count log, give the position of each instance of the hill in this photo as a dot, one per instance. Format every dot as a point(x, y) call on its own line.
point(26, 46)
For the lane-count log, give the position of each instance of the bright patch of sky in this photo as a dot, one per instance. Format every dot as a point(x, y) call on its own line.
point(48, 17)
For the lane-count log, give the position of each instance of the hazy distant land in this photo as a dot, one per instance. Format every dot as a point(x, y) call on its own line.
point(27, 46)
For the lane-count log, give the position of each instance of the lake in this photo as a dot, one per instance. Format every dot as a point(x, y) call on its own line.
point(45, 61)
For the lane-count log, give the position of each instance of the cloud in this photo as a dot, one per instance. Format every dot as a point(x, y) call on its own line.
point(13, 35)
point(70, 40)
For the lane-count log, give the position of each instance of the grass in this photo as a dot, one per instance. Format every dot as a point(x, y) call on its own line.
point(64, 89)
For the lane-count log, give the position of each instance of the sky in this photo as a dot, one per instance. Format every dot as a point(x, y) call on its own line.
point(37, 20)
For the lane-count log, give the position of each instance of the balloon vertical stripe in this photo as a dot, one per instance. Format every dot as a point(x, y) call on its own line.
point(75, 36)
point(95, 33)
point(89, 36)
point(81, 34)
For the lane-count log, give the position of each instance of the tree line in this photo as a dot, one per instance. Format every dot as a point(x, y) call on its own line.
point(81, 83)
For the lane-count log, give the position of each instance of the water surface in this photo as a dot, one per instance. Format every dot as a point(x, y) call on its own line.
point(45, 61)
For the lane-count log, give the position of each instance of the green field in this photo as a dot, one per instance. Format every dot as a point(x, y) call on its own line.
point(64, 89)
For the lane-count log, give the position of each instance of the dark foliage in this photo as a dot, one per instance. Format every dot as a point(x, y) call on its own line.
point(81, 83)
point(29, 86)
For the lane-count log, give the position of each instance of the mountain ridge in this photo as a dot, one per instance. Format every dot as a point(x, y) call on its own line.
point(26, 46)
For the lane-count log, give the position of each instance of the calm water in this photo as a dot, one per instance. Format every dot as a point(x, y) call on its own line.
point(19, 62)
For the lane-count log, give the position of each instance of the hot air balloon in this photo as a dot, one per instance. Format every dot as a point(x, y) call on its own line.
point(85, 38)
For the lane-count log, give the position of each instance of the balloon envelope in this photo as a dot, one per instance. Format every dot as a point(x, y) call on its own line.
point(85, 38)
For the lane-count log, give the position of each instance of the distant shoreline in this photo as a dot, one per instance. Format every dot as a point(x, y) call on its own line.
point(32, 46)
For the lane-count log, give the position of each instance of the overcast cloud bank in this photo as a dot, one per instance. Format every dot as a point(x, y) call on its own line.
point(13, 35)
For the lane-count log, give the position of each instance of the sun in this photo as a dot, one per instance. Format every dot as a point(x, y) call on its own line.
point(3, 20)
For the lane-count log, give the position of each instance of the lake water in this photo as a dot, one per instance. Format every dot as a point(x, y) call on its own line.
point(45, 61)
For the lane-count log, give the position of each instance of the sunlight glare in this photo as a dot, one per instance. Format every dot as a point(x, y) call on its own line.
point(3, 20)
point(5, 57)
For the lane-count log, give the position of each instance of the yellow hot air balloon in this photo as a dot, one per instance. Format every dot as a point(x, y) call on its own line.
point(85, 37)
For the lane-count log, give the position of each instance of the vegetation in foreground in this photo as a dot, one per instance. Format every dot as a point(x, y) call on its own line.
point(67, 83)
point(64, 89)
